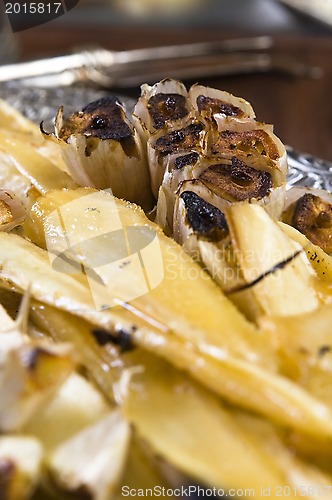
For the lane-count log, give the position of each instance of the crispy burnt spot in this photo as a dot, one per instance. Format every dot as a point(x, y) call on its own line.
point(180, 140)
point(122, 338)
point(237, 181)
point(103, 119)
point(214, 106)
point(250, 142)
point(312, 216)
point(261, 277)
point(185, 160)
point(166, 107)
point(324, 349)
point(204, 218)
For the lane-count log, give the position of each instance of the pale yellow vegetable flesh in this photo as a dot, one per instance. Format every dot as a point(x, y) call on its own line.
point(186, 300)
point(260, 245)
point(185, 423)
point(264, 392)
point(74, 406)
point(231, 403)
point(21, 458)
point(319, 260)
point(40, 171)
point(92, 460)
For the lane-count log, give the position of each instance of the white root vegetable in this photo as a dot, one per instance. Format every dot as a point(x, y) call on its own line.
point(92, 460)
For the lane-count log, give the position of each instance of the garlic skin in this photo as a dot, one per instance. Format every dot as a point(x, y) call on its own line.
point(229, 135)
point(103, 150)
point(12, 212)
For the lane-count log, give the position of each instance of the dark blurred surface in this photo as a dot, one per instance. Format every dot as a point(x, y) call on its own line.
point(240, 15)
point(299, 108)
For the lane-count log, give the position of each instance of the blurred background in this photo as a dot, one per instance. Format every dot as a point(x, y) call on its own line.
point(247, 15)
point(296, 102)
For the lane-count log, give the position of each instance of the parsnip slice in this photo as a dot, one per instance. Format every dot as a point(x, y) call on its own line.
point(320, 261)
point(20, 471)
point(166, 287)
point(190, 428)
point(92, 461)
point(261, 246)
point(304, 344)
point(29, 373)
point(40, 171)
point(74, 406)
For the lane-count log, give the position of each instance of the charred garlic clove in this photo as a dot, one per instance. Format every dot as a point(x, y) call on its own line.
point(166, 107)
point(237, 181)
point(101, 119)
point(311, 214)
point(194, 219)
point(261, 145)
point(163, 106)
point(203, 217)
point(185, 139)
point(179, 169)
point(103, 150)
point(173, 150)
point(219, 106)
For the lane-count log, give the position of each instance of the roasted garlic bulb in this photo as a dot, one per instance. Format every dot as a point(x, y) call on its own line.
point(310, 212)
point(205, 152)
point(103, 150)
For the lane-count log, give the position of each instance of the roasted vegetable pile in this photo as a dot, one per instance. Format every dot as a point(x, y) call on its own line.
point(165, 305)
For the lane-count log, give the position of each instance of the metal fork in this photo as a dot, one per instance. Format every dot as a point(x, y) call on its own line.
point(107, 69)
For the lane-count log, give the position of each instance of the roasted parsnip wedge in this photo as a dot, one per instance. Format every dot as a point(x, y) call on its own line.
point(75, 405)
point(91, 462)
point(65, 327)
point(12, 180)
point(319, 260)
point(39, 170)
point(304, 344)
point(176, 295)
point(245, 384)
point(30, 370)
point(183, 422)
point(28, 375)
point(301, 473)
point(144, 473)
point(275, 269)
point(21, 464)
